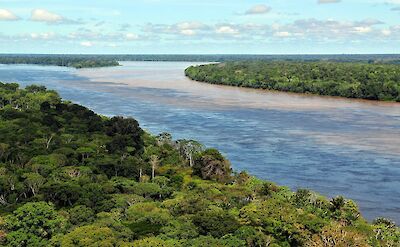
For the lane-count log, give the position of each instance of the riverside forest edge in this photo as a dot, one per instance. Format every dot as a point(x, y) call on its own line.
point(72, 177)
point(350, 80)
point(372, 77)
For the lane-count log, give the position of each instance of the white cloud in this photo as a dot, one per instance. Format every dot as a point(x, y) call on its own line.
point(328, 1)
point(6, 15)
point(315, 30)
point(362, 30)
point(43, 15)
point(386, 32)
point(186, 29)
point(188, 32)
point(189, 28)
point(258, 10)
point(226, 30)
point(282, 34)
point(86, 44)
point(190, 25)
point(43, 36)
point(301, 30)
point(131, 36)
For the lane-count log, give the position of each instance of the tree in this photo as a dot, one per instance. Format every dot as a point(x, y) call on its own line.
point(90, 236)
point(334, 236)
point(62, 193)
point(216, 222)
point(212, 165)
point(181, 228)
point(147, 218)
point(189, 148)
point(202, 241)
point(125, 132)
point(34, 181)
point(34, 221)
point(81, 215)
point(21, 238)
point(387, 231)
point(154, 161)
point(35, 88)
point(152, 242)
point(164, 138)
point(253, 237)
point(147, 211)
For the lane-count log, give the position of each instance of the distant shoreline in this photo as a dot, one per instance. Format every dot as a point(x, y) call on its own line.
point(365, 58)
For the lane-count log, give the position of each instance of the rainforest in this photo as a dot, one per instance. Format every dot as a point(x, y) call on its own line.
point(71, 177)
point(351, 80)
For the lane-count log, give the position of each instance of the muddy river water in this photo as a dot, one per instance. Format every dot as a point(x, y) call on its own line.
point(331, 145)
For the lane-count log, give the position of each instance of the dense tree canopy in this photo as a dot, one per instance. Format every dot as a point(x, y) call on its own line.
point(69, 177)
point(351, 80)
point(89, 61)
point(60, 60)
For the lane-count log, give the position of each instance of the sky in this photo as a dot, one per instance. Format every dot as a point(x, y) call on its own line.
point(200, 26)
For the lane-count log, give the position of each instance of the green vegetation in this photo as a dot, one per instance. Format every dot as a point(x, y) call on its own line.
point(351, 80)
point(365, 58)
point(111, 60)
point(69, 177)
point(60, 60)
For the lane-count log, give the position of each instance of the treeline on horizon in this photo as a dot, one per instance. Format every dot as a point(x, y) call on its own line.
point(61, 58)
point(70, 177)
point(350, 80)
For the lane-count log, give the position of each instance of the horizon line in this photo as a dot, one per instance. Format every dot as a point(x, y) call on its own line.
point(205, 54)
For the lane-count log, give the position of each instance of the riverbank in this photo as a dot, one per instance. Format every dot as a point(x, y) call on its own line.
point(349, 80)
point(98, 175)
point(334, 146)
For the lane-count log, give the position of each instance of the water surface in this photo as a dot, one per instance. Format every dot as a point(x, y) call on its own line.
point(330, 145)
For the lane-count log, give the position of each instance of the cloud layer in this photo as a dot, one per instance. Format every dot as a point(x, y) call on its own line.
point(256, 25)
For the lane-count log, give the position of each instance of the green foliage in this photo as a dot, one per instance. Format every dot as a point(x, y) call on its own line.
point(149, 212)
point(59, 60)
point(80, 215)
point(180, 228)
point(154, 242)
point(216, 222)
point(33, 224)
point(386, 230)
point(89, 236)
point(351, 80)
point(202, 241)
point(73, 178)
point(211, 165)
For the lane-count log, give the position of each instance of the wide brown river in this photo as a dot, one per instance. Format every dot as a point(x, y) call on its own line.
point(331, 145)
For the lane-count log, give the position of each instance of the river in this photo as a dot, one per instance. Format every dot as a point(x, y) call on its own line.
point(331, 145)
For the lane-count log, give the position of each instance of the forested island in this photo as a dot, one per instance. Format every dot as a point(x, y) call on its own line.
point(372, 81)
point(75, 61)
point(71, 177)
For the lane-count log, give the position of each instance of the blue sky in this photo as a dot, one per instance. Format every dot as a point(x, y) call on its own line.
point(200, 27)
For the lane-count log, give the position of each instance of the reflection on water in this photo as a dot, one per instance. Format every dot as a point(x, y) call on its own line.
point(334, 146)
